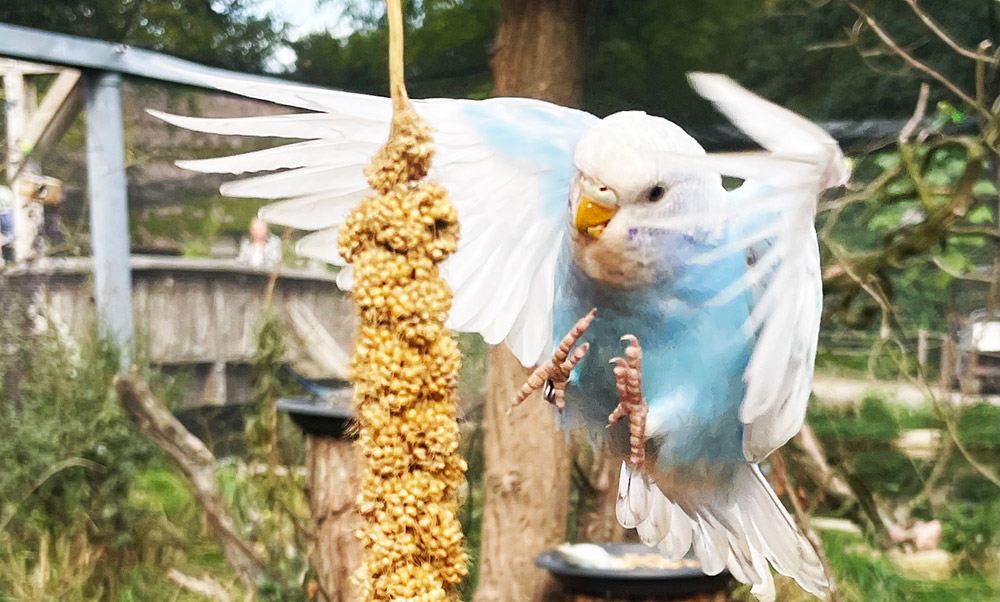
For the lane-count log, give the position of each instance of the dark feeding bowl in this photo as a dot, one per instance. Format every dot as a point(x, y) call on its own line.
point(316, 418)
point(645, 583)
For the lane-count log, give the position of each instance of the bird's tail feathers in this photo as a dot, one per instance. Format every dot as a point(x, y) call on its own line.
point(742, 528)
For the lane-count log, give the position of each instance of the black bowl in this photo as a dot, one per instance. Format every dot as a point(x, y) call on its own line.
point(663, 584)
point(317, 418)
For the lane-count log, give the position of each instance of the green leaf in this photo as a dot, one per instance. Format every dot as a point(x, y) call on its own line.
point(952, 114)
point(982, 214)
point(955, 261)
point(985, 188)
point(887, 161)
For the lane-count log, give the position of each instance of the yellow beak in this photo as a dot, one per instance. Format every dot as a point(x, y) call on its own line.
point(592, 217)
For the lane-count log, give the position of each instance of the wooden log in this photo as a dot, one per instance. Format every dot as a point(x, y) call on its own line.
point(198, 464)
point(333, 490)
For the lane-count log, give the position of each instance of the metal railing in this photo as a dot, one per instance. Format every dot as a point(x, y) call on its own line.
point(103, 66)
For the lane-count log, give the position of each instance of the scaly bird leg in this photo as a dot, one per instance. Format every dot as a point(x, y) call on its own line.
point(631, 403)
point(554, 373)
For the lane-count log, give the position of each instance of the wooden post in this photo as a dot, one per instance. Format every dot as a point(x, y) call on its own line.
point(947, 364)
point(27, 214)
point(922, 348)
point(333, 489)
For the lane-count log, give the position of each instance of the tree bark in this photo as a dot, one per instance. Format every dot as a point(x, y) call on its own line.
point(538, 54)
point(539, 50)
point(332, 466)
point(527, 488)
point(596, 520)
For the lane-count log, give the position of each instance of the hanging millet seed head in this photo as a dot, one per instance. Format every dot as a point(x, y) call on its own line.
point(405, 366)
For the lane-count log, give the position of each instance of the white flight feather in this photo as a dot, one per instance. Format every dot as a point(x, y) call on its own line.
point(785, 316)
point(497, 194)
point(298, 182)
point(319, 211)
point(322, 246)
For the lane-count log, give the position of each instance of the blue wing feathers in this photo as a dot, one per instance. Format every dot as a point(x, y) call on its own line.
point(541, 135)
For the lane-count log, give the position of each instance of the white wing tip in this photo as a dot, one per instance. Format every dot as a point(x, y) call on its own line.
point(170, 118)
point(710, 85)
point(191, 165)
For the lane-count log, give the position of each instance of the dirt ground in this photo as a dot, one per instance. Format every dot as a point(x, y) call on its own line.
point(840, 390)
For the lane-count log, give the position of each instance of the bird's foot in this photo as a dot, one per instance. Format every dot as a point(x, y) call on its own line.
point(631, 403)
point(554, 374)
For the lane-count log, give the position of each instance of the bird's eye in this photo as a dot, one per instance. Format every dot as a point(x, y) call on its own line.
point(655, 193)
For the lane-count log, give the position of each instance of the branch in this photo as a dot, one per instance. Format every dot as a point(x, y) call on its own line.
point(944, 454)
point(906, 153)
point(987, 231)
point(946, 414)
point(973, 277)
point(818, 467)
point(908, 58)
point(853, 270)
point(919, 112)
point(197, 463)
point(933, 26)
point(985, 471)
point(780, 470)
point(203, 586)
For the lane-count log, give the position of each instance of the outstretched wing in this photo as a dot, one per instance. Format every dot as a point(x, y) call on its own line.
point(771, 217)
point(506, 162)
point(786, 270)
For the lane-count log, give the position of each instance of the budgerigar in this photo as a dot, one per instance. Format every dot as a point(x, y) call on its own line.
point(712, 298)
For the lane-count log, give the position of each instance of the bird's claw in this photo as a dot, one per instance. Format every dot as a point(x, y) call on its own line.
point(554, 374)
point(631, 403)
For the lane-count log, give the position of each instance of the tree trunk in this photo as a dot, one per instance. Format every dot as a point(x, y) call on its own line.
point(527, 488)
point(333, 489)
point(538, 55)
point(539, 50)
point(595, 519)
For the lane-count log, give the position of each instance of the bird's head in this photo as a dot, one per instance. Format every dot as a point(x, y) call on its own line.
point(624, 178)
point(623, 171)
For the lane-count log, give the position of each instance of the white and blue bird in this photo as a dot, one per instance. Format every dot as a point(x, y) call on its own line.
point(716, 295)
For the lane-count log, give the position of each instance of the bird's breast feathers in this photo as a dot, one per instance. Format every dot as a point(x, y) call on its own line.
point(623, 257)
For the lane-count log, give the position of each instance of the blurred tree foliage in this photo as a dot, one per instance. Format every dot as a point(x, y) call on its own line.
point(815, 58)
point(448, 47)
point(224, 33)
point(800, 53)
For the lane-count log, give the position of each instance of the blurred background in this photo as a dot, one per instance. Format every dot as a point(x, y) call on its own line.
point(898, 464)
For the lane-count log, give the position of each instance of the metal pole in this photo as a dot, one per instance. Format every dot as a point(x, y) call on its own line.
point(108, 199)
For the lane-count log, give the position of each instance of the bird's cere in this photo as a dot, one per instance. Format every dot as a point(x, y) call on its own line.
point(405, 370)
